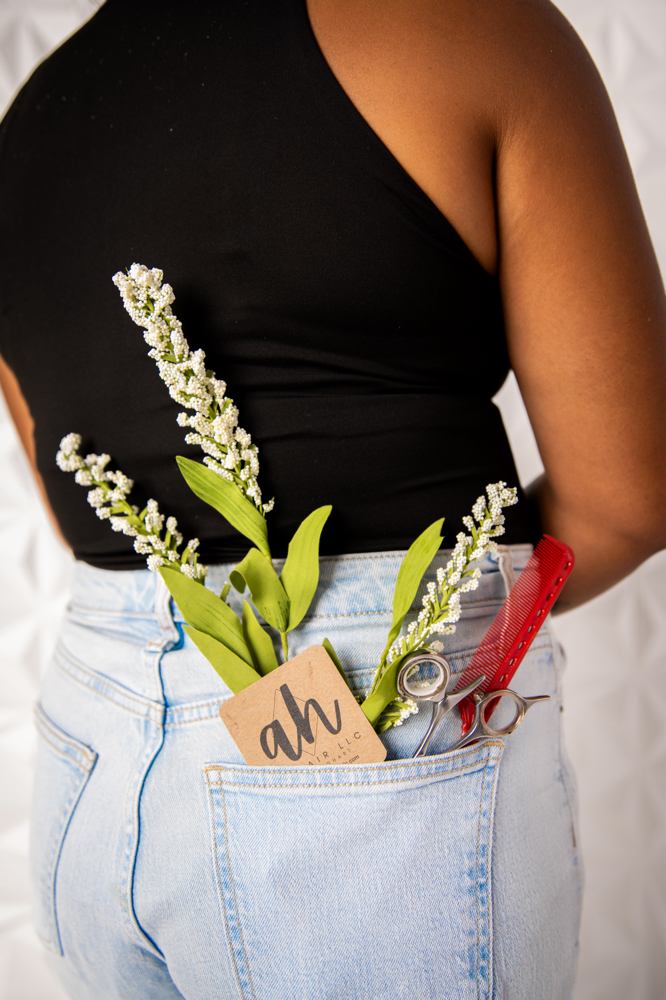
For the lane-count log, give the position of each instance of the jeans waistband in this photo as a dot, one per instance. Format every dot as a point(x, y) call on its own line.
point(348, 584)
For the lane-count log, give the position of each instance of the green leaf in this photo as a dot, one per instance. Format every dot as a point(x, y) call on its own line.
point(334, 656)
point(267, 592)
point(226, 498)
point(300, 574)
point(258, 642)
point(385, 692)
point(417, 559)
point(206, 612)
point(235, 673)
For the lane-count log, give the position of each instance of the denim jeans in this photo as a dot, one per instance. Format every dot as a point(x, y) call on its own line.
point(164, 866)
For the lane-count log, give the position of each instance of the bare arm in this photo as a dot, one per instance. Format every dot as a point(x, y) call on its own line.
point(585, 308)
point(471, 95)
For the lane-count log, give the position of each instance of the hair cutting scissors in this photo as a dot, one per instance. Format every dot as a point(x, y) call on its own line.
point(434, 691)
point(484, 708)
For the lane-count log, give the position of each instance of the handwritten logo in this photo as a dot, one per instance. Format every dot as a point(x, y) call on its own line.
point(302, 722)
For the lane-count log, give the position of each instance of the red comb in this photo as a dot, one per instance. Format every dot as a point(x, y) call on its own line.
point(517, 622)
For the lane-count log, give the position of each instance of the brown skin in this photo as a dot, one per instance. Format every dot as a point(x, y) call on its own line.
point(498, 113)
point(496, 110)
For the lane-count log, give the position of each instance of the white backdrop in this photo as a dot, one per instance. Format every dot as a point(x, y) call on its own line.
point(616, 683)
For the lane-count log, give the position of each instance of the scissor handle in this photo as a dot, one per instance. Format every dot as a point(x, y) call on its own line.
point(424, 691)
point(480, 729)
point(485, 702)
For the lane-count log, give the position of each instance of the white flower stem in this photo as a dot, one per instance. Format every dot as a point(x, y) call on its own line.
point(108, 498)
point(228, 448)
point(441, 603)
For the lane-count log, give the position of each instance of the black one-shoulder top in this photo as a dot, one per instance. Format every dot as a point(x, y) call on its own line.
point(357, 333)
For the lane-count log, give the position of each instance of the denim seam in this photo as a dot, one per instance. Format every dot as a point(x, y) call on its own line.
point(154, 741)
point(85, 767)
point(410, 762)
point(233, 890)
point(164, 614)
point(478, 911)
point(396, 553)
point(215, 706)
point(489, 883)
point(131, 847)
point(55, 851)
point(57, 840)
point(96, 682)
point(221, 895)
point(85, 758)
point(221, 890)
point(482, 764)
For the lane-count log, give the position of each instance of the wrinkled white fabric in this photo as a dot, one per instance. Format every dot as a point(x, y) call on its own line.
point(615, 687)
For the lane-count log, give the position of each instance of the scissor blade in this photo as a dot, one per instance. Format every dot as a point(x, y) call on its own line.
point(453, 699)
point(443, 708)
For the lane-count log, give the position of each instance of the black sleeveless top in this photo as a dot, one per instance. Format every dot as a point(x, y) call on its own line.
point(357, 333)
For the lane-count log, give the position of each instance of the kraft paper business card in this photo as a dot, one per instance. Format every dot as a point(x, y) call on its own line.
point(301, 713)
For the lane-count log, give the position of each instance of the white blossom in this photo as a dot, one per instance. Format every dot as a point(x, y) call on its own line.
point(148, 299)
point(67, 457)
point(441, 603)
point(408, 707)
point(109, 500)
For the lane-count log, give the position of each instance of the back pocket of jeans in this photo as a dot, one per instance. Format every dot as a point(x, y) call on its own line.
point(350, 882)
point(64, 765)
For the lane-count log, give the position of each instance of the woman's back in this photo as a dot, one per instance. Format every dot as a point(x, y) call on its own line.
point(356, 330)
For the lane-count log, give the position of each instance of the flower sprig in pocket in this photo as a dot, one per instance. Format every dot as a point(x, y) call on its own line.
point(241, 648)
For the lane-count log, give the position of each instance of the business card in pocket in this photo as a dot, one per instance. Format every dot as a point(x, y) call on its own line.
point(301, 713)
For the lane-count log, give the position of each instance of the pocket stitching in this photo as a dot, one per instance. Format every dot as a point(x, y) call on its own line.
point(355, 784)
point(54, 852)
point(488, 890)
point(233, 890)
point(84, 756)
point(222, 901)
point(484, 977)
point(84, 759)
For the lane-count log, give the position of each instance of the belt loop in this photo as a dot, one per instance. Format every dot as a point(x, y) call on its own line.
point(505, 560)
point(163, 610)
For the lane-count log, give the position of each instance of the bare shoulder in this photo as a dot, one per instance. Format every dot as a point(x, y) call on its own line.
point(448, 83)
point(471, 46)
point(539, 67)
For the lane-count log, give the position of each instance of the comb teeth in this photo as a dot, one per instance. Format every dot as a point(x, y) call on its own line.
point(520, 617)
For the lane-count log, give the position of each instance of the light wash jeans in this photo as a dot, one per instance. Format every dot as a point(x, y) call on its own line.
point(166, 867)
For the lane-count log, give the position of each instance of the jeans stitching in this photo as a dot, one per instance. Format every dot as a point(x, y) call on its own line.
point(89, 755)
point(233, 890)
point(409, 762)
point(214, 707)
point(355, 784)
point(482, 973)
point(489, 890)
point(478, 913)
point(69, 667)
point(472, 603)
point(153, 742)
point(220, 887)
point(54, 851)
